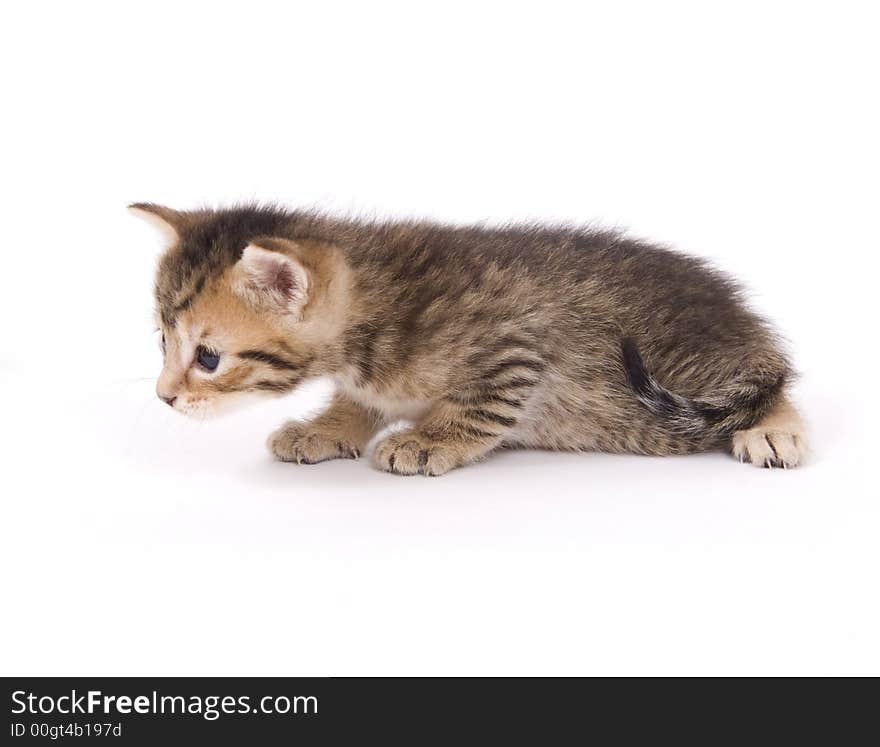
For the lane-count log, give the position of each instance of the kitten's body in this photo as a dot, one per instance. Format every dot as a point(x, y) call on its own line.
point(484, 337)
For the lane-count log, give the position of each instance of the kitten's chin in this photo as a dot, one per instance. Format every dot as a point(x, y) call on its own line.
point(209, 409)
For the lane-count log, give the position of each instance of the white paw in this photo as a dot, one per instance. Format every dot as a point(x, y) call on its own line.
point(769, 447)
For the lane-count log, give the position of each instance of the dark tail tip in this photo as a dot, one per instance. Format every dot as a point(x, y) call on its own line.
point(636, 374)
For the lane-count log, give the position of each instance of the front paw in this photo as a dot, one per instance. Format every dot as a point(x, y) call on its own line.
point(410, 453)
point(303, 444)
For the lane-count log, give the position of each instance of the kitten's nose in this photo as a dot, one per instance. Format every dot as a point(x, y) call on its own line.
point(168, 400)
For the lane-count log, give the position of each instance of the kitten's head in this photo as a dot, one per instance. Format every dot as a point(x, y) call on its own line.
point(239, 310)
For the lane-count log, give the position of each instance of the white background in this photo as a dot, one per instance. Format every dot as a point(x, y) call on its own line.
point(136, 542)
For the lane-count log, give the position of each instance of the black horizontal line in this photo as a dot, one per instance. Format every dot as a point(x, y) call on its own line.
point(490, 417)
point(269, 359)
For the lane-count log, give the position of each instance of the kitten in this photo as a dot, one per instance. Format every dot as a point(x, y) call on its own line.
point(527, 336)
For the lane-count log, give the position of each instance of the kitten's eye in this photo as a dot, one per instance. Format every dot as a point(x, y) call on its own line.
point(207, 359)
point(163, 343)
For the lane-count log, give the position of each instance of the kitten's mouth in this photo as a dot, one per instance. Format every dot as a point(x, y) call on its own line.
point(212, 408)
point(199, 408)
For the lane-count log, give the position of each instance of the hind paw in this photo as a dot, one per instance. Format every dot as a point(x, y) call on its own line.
point(779, 440)
point(769, 448)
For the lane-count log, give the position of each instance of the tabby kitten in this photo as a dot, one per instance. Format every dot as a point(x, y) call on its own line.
point(527, 336)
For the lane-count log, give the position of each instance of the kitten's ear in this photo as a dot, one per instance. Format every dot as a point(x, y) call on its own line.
point(270, 274)
point(170, 223)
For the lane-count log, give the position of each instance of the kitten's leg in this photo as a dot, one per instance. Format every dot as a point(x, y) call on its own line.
point(779, 440)
point(342, 431)
point(456, 431)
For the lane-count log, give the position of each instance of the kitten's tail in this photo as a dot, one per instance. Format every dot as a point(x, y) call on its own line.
point(740, 406)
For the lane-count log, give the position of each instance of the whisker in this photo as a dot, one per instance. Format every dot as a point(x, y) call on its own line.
point(135, 425)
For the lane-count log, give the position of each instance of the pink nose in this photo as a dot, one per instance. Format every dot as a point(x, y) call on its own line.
point(168, 400)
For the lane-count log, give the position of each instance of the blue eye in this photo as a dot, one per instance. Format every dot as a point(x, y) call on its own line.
point(207, 359)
